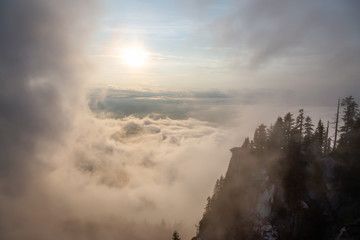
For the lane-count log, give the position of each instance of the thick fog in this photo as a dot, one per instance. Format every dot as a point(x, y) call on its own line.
point(67, 173)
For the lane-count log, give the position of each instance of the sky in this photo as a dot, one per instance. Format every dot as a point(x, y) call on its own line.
point(176, 48)
point(117, 117)
point(307, 47)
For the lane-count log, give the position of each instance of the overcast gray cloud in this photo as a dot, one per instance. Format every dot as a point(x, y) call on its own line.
point(39, 77)
point(278, 28)
point(311, 47)
point(308, 47)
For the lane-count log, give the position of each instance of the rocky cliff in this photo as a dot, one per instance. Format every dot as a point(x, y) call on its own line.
point(274, 195)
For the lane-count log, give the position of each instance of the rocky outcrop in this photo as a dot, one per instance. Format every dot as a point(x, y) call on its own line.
point(350, 232)
point(261, 198)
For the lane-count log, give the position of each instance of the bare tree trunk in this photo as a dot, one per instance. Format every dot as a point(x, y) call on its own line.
point(336, 124)
point(326, 147)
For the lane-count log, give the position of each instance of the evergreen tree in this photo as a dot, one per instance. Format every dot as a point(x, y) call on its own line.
point(308, 127)
point(328, 145)
point(350, 114)
point(319, 137)
point(288, 127)
point(308, 131)
point(208, 205)
point(222, 181)
point(336, 124)
point(357, 123)
point(269, 130)
point(299, 125)
point(326, 139)
point(260, 137)
point(217, 189)
point(300, 208)
point(350, 132)
point(251, 144)
point(277, 136)
point(176, 236)
point(246, 144)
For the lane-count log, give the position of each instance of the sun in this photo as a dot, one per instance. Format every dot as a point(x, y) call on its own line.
point(134, 56)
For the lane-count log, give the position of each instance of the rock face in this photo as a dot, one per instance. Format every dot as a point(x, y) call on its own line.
point(278, 195)
point(350, 231)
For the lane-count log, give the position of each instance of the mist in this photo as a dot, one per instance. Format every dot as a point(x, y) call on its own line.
point(114, 163)
point(66, 174)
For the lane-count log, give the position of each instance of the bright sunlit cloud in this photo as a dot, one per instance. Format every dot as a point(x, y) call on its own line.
point(134, 56)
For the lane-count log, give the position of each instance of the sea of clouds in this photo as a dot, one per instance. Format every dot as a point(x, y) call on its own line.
point(70, 171)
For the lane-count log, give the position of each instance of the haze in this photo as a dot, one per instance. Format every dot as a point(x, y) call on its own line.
point(116, 117)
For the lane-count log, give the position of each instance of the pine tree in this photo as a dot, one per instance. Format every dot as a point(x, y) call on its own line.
point(277, 136)
point(308, 131)
point(269, 130)
point(208, 205)
point(251, 144)
point(336, 124)
point(326, 139)
point(176, 236)
point(319, 137)
point(222, 181)
point(217, 189)
point(246, 144)
point(288, 127)
point(260, 137)
point(299, 125)
point(349, 130)
point(328, 147)
point(350, 113)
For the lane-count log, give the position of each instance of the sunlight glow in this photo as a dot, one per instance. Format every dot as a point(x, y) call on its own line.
point(134, 56)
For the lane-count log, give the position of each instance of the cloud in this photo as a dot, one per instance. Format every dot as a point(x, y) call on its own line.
point(65, 174)
point(206, 105)
point(148, 160)
point(40, 55)
point(117, 173)
point(276, 28)
point(309, 47)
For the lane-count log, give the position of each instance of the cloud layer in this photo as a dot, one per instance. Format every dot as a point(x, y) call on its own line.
point(65, 174)
point(116, 173)
point(279, 28)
